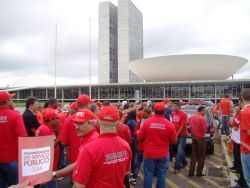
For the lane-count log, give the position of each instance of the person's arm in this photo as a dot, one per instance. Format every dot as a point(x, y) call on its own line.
point(204, 125)
point(34, 122)
point(19, 127)
point(141, 135)
point(173, 135)
point(77, 185)
point(68, 170)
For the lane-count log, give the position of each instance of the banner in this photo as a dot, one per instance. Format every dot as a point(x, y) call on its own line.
point(35, 159)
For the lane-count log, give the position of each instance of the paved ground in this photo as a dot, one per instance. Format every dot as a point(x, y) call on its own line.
point(213, 168)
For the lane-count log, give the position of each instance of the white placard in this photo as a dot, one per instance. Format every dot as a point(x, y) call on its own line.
point(35, 161)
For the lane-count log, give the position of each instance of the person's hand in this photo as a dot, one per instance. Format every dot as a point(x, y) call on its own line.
point(21, 185)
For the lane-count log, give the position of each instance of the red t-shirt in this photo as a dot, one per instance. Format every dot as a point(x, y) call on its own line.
point(244, 127)
point(11, 127)
point(88, 138)
point(178, 119)
point(45, 130)
point(198, 125)
point(158, 133)
point(123, 131)
point(226, 107)
point(103, 162)
point(70, 138)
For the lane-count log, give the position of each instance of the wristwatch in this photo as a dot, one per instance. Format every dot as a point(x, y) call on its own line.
point(54, 174)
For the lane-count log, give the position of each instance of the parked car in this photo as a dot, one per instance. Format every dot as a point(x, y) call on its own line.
point(191, 109)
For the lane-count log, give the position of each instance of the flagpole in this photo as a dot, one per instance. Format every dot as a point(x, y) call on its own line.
point(90, 57)
point(55, 57)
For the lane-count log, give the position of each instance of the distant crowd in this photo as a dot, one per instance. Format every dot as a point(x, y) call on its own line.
point(100, 144)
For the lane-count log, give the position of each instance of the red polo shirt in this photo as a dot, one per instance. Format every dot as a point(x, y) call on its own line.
point(89, 137)
point(244, 127)
point(70, 138)
point(157, 133)
point(123, 131)
point(198, 125)
point(45, 130)
point(178, 119)
point(226, 107)
point(11, 127)
point(103, 162)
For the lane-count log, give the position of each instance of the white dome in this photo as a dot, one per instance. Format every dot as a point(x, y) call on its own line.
point(187, 67)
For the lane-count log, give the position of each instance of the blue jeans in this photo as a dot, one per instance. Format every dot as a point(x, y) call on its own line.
point(8, 174)
point(181, 156)
point(138, 162)
point(245, 161)
point(155, 166)
point(225, 125)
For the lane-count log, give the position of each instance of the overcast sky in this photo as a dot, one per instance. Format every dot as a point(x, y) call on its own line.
point(27, 35)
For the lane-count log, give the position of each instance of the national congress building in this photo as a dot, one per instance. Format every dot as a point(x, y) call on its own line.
point(120, 41)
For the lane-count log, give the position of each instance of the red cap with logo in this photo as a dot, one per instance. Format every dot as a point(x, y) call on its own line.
point(49, 114)
point(5, 95)
point(109, 114)
point(166, 100)
point(73, 106)
point(84, 115)
point(84, 99)
point(159, 106)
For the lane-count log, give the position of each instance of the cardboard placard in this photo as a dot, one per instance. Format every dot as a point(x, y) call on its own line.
point(35, 159)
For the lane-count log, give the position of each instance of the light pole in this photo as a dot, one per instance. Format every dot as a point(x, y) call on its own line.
point(55, 56)
point(90, 57)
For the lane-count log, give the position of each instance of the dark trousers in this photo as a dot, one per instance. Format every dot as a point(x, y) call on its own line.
point(8, 174)
point(133, 150)
point(237, 163)
point(199, 148)
point(138, 162)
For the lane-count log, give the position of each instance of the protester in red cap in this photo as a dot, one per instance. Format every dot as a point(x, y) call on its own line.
point(157, 133)
point(105, 161)
point(84, 99)
point(180, 123)
point(50, 127)
point(11, 127)
point(84, 122)
point(69, 137)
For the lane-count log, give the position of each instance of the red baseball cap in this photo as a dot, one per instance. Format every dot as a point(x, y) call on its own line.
point(84, 99)
point(99, 104)
point(159, 106)
point(84, 115)
point(5, 95)
point(166, 100)
point(73, 106)
point(109, 114)
point(49, 114)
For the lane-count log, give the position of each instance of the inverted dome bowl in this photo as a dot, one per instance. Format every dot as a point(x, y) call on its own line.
point(187, 67)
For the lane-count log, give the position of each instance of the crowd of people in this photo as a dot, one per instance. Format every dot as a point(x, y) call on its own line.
point(100, 144)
